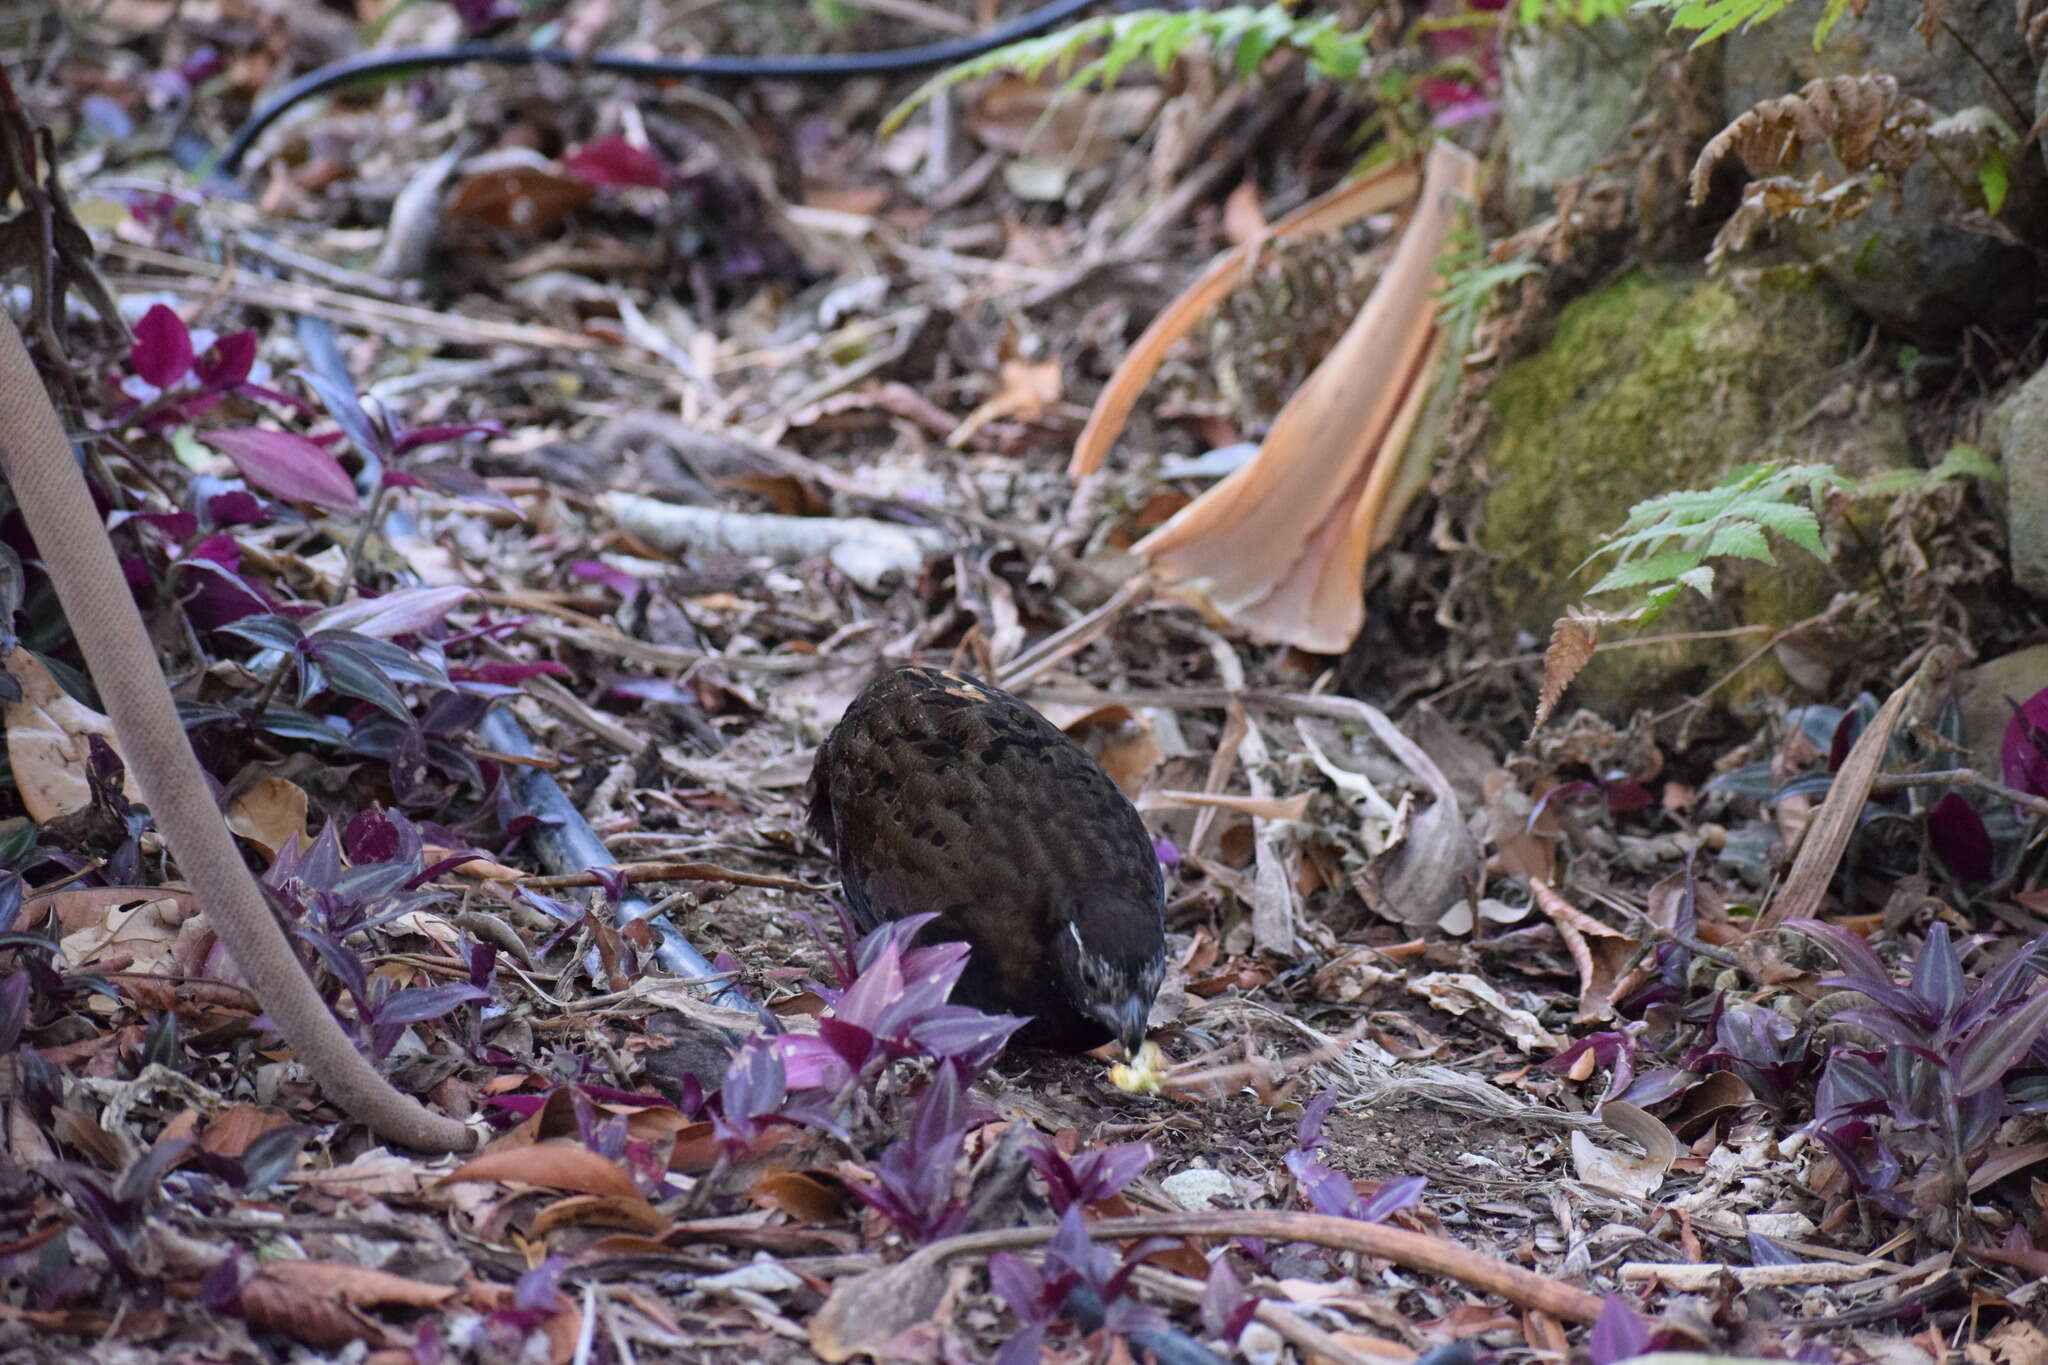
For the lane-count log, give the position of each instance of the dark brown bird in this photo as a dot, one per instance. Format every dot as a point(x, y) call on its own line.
point(940, 793)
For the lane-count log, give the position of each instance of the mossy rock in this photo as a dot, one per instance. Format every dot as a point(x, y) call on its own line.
point(1663, 381)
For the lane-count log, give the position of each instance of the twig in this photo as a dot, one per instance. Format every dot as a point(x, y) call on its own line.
point(1182, 1084)
point(1961, 777)
point(1777, 638)
point(802, 467)
point(636, 873)
point(361, 310)
point(866, 1309)
point(1297, 1331)
point(1074, 637)
point(615, 644)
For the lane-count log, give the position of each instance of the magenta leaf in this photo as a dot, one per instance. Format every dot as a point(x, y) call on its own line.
point(163, 347)
point(287, 466)
point(228, 361)
point(614, 161)
point(2023, 752)
point(1960, 840)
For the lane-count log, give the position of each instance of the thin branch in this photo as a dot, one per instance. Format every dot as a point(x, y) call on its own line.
point(1962, 777)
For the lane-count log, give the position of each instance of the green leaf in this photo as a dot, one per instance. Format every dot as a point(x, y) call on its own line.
point(1966, 461)
point(1994, 177)
point(1656, 569)
point(1797, 524)
point(1743, 540)
point(1700, 580)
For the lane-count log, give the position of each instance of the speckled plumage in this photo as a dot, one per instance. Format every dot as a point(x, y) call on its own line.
point(938, 792)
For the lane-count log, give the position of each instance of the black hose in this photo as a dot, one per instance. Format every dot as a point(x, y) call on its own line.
point(829, 66)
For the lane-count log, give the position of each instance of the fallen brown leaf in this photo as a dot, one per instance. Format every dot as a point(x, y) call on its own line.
point(554, 1165)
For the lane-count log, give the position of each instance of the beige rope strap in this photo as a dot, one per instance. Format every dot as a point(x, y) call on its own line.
point(37, 461)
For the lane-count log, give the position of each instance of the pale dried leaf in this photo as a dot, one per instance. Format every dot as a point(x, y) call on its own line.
point(47, 731)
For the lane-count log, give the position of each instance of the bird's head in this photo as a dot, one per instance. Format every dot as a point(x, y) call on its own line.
point(1108, 959)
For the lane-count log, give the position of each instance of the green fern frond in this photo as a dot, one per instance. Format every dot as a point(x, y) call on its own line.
point(1665, 543)
point(1713, 19)
point(1554, 13)
point(1242, 35)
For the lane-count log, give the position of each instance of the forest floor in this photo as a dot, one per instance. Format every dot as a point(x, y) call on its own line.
point(744, 298)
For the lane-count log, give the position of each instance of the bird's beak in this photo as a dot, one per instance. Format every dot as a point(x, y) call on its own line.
point(1127, 1018)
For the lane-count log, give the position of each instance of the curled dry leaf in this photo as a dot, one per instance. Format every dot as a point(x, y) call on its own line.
point(1375, 193)
point(142, 934)
point(1636, 1177)
point(1321, 479)
point(1600, 953)
point(1024, 390)
point(1863, 119)
point(270, 812)
point(320, 1303)
point(47, 734)
point(1123, 741)
point(592, 1210)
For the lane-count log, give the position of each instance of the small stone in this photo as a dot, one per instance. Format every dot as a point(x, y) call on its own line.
point(1198, 1188)
point(1260, 1344)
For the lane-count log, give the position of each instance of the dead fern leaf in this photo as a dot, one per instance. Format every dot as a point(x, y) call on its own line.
point(1572, 642)
point(1863, 120)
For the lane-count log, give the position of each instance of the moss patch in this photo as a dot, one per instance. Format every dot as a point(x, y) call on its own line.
point(1660, 382)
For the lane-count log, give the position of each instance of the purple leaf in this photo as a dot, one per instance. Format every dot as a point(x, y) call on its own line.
point(809, 1062)
point(162, 353)
point(286, 466)
point(2002, 987)
point(1938, 973)
point(1618, 1333)
point(1998, 1044)
point(13, 1010)
point(456, 480)
point(416, 1004)
point(237, 507)
point(595, 571)
point(1960, 840)
point(370, 436)
point(1308, 1133)
point(1860, 966)
point(1225, 1305)
point(1019, 1285)
point(481, 16)
point(1025, 1348)
point(1092, 1174)
point(1390, 1198)
point(403, 611)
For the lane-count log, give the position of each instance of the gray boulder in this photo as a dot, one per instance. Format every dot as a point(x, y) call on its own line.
point(1931, 267)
